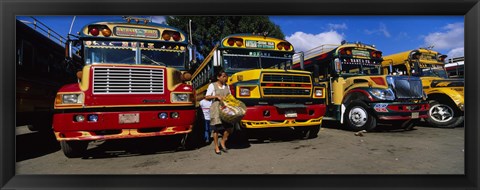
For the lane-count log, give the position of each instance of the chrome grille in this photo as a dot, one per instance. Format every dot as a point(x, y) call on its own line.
point(118, 80)
point(285, 78)
point(405, 88)
point(286, 91)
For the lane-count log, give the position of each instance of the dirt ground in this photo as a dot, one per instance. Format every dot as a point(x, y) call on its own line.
point(424, 150)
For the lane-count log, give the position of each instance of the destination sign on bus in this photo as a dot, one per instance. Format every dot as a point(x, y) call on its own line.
point(360, 53)
point(428, 56)
point(145, 45)
point(259, 44)
point(136, 32)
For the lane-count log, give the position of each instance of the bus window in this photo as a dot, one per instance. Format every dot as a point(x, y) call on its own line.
point(399, 70)
point(113, 55)
point(241, 62)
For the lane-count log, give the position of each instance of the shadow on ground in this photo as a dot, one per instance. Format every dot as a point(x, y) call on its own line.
point(35, 144)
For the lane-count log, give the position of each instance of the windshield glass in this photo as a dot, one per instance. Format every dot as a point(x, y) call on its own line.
point(244, 60)
point(127, 53)
point(434, 71)
point(360, 67)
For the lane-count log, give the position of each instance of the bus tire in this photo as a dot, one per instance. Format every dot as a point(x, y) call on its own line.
point(444, 115)
point(312, 132)
point(73, 149)
point(407, 125)
point(357, 117)
point(195, 139)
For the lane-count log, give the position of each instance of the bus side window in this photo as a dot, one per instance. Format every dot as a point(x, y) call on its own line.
point(399, 70)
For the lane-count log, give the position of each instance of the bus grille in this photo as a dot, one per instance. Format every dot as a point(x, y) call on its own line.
point(115, 80)
point(285, 78)
point(408, 88)
point(281, 85)
point(286, 91)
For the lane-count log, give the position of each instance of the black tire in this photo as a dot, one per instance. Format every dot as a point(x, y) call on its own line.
point(73, 149)
point(309, 132)
point(358, 117)
point(444, 115)
point(239, 137)
point(195, 139)
point(312, 132)
point(407, 125)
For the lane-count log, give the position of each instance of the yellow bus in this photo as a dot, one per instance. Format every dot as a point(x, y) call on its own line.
point(445, 95)
point(358, 95)
point(258, 76)
point(131, 85)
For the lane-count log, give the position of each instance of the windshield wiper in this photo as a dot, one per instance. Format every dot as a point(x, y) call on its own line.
point(153, 61)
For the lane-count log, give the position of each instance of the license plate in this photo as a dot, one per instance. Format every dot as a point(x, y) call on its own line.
point(290, 113)
point(129, 118)
point(414, 115)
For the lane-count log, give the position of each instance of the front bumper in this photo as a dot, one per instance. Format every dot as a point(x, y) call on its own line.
point(400, 110)
point(110, 126)
point(268, 116)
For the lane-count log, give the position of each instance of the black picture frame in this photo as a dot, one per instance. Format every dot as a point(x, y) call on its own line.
point(10, 9)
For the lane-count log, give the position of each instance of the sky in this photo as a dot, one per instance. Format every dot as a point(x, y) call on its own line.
point(390, 34)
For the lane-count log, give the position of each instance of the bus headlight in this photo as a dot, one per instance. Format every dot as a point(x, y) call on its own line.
point(180, 97)
point(244, 91)
point(69, 98)
point(318, 92)
point(382, 94)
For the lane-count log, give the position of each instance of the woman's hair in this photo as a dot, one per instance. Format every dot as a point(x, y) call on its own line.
point(220, 73)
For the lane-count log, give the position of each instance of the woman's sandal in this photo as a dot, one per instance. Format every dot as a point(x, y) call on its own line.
point(223, 149)
point(219, 152)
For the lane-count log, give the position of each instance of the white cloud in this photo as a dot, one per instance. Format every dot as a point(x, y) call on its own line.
point(303, 41)
point(158, 19)
point(337, 26)
point(451, 37)
point(457, 52)
point(382, 30)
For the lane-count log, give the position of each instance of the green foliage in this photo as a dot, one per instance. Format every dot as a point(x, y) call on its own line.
point(207, 31)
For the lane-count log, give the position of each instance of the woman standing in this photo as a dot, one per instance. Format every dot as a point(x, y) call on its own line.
point(217, 91)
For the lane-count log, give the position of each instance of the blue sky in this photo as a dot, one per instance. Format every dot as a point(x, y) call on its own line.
point(390, 34)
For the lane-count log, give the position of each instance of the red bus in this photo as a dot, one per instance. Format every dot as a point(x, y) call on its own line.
point(132, 85)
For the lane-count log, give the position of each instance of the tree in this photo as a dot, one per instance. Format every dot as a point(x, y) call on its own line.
point(207, 31)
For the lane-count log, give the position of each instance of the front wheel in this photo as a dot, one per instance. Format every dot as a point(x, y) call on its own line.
point(406, 125)
point(443, 115)
point(357, 117)
point(74, 149)
point(308, 132)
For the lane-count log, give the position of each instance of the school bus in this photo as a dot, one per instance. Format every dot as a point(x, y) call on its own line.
point(258, 76)
point(40, 72)
point(445, 95)
point(131, 85)
point(357, 94)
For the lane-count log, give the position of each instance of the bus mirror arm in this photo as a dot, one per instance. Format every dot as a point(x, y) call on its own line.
point(68, 50)
point(302, 57)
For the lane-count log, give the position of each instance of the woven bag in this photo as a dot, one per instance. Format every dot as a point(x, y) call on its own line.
point(232, 110)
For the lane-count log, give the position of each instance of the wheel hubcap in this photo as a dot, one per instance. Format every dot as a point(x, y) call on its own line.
point(358, 116)
point(441, 113)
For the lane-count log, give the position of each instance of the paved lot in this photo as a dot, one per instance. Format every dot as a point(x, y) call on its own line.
point(425, 150)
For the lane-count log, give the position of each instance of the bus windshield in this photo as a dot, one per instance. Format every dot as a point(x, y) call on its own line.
point(359, 68)
point(434, 70)
point(243, 60)
point(127, 53)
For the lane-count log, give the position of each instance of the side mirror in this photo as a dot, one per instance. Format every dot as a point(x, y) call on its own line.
point(302, 57)
point(337, 65)
point(68, 49)
point(192, 56)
